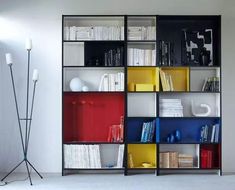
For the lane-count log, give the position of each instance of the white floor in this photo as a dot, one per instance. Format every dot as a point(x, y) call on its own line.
point(118, 181)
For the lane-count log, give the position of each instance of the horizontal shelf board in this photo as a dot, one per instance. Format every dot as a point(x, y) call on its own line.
point(141, 142)
point(133, 92)
point(196, 168)
point(108, 41)
point(93, 67)
point(142, 41)
point(142, 66)
point(94, 168)
point(67, 143)
point(68, 92)
point(178, 92)
point(189, 117)
point(141, 117)
point(196, 67)
point(201, 143)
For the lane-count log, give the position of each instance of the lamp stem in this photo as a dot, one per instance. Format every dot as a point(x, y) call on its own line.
point(27, 102)
point(17, 108)
point(31, 116)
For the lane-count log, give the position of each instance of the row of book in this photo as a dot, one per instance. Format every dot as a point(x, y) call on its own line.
point(206, 158)
point(210, 133)
point(148, 130)
point(88, 156)
point(141, 33)
point(82, 156)
point(114, 57)
point(166, 53)
point(141, 57)
point(171, 159)
point(112, 82)
point(171, 108)
point(94, 33)
point(166, 81)
point(211, 84)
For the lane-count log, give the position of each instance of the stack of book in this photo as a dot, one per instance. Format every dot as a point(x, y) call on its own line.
point(166, 81)
point(114, 57)
point(185, 161)
point(82, 156)
point(210, 133)
point(141, 57)
point(168, 160)
point(94, 33)
point(142, 33)
point(171, 108)
point(211, 84)
point(112, 82)
point(148, 129)
point(206, 158)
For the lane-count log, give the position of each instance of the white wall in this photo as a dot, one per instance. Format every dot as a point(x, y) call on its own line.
point(41, 20)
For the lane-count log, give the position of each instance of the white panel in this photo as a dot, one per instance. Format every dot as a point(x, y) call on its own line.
point(141, 104)
point(74, 54)
point(109, 154)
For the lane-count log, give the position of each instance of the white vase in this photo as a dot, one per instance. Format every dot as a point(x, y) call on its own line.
point(76, 84)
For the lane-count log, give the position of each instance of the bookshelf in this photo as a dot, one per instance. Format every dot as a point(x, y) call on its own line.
point(146, 96)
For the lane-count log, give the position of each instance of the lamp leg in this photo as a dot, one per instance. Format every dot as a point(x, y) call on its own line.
point(27, 167)
point(27, 102)
point(12, 170)
point(17, 109)
point(31, 117)
point(35, 170)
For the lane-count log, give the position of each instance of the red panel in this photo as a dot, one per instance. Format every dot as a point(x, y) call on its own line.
point(87, 116)
point(210, 156)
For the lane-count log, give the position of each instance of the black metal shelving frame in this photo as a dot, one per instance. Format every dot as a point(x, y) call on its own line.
point(125, 169)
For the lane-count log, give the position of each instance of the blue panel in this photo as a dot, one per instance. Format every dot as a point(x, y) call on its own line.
point(157, 130)
point(189, 128)
point(134, 128)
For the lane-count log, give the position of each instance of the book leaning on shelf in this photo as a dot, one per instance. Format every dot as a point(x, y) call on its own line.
point(148, 130)
point(166, 81)
point(211, 84)
point(210, 133)
point(112, 82)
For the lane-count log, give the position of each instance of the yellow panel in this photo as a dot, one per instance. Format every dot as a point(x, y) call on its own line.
point(142, 153)
point(180, 77)
point(143, 75)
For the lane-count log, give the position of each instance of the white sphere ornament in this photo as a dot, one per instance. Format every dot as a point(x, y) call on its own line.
point(76, 84)
point(85, 89)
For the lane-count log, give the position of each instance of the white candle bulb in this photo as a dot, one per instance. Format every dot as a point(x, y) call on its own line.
point(9, 59)
point(28, 44)
point(35, 75)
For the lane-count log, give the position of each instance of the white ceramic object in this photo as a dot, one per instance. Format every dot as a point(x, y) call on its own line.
point(85, 89)
point(76, 84)
point(203, 114)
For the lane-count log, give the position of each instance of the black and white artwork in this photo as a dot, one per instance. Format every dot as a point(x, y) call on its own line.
point(197, 47)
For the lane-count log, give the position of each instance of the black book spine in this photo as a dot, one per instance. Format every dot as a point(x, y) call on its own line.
point(160, 52)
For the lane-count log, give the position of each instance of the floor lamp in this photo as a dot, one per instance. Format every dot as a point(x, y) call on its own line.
point(28, 116)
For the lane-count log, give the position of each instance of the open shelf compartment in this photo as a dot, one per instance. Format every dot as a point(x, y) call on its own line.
point(143, 79)
point(138, 154)
point(88, 116)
